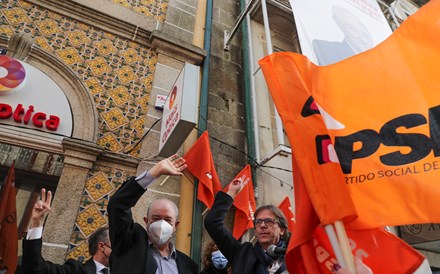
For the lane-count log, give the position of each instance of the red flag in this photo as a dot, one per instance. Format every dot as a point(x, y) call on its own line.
point(380, 250)
point(244, 203)
point(286, 208)
point(8, 224)
point(200, 163)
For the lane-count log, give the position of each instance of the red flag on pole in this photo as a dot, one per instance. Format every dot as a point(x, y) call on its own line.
point(380, 250)
point(200, 163)
point(245, 204)
point(286, 207)
point(8, 224)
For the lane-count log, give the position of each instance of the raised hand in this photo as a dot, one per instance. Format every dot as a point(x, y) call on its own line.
point(173, 165)
point(41, 209)
point(237, 185)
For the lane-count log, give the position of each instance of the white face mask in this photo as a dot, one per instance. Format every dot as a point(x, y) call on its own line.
point(160, 232)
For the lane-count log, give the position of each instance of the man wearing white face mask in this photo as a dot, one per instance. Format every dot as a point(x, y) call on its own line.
point(139, 251)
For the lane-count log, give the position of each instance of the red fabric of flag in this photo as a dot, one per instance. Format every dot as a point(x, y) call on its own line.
point(286, 207)
point(200, 163)
point(244, 203)
point(8, 224)
point(380, 250)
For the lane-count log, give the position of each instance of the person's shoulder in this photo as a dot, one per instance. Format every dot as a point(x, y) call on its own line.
point(75, 266)
point(182, 256)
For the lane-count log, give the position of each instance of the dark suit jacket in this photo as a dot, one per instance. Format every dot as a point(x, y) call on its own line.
point(241, 256)
point(33, 262)
point(130, 240)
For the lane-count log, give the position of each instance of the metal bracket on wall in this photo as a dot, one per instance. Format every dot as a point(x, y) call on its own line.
point(229, 34)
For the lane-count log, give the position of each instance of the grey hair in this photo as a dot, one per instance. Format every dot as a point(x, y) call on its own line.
point(176, 209)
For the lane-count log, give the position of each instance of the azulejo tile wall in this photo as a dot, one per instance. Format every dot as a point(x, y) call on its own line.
point(153, 8)
point(118, 75)
point(93, 208)
point(117, 72)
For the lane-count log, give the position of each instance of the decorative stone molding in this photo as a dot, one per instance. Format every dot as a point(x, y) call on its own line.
point(126, 23)
point(20, 46)
point(176, 48)
point(80, 153)
point(119, 161)
point(105, 15)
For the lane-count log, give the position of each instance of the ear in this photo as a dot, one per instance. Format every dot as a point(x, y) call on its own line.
point(146, 222)
point(176, 224)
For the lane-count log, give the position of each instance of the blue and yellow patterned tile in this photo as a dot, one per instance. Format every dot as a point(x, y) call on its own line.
point(85, 202)
point(114, 118)
point(131, 56)
point(98, 66)
point(102, 203)
point(126, 75)
point(6, 30)
point(69, 56)
point(89, 220)
point(78, 37)
point(80, 252)
point(94, 86)
point(120, 95)
point(109, 142)
point(16, 16)
point(98, 186)
point(105, 47)
point(48, 27)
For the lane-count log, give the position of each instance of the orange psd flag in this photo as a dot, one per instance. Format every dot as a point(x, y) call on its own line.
point(200, 163)
point(382, 112)
point(8, 224)
point(286, 208)
point(245, 205)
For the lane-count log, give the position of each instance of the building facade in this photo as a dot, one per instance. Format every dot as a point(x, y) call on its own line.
point(110, 59)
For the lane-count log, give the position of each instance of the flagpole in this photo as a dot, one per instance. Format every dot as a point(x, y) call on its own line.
point(345, 246)
point(331, 234)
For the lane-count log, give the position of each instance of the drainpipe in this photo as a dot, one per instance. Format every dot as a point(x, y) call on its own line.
point(196, 240)
point(248, 100)
point(186, 201)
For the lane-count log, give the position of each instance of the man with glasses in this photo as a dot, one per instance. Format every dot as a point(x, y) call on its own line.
point(270, 229)
point(33, 263)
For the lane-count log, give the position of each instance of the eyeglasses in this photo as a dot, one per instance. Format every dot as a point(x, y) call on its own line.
point(267, 221)
point(107, 245)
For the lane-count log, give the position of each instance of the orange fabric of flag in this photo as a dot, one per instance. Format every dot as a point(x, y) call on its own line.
point(381, 110)
point(200, 163)
point(286, 208)
point(244, 203)
point(300, 255)
point(8, 224)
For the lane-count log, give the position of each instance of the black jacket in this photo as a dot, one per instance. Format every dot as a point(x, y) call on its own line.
point(33, 262)
point(241, 256)
point(129, 239)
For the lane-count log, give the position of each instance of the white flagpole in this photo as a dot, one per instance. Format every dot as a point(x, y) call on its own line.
point(335, 244)
point(345, 246)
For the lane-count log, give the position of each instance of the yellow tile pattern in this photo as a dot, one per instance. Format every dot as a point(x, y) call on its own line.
point(98, 186)
point(118, 75)
point(150, 8)
point(89, 220)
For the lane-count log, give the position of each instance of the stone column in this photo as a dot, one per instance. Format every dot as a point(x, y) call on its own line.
point(80, 157)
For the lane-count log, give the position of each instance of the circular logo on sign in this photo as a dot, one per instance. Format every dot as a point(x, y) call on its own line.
point(12, 73)
point(173, 96)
